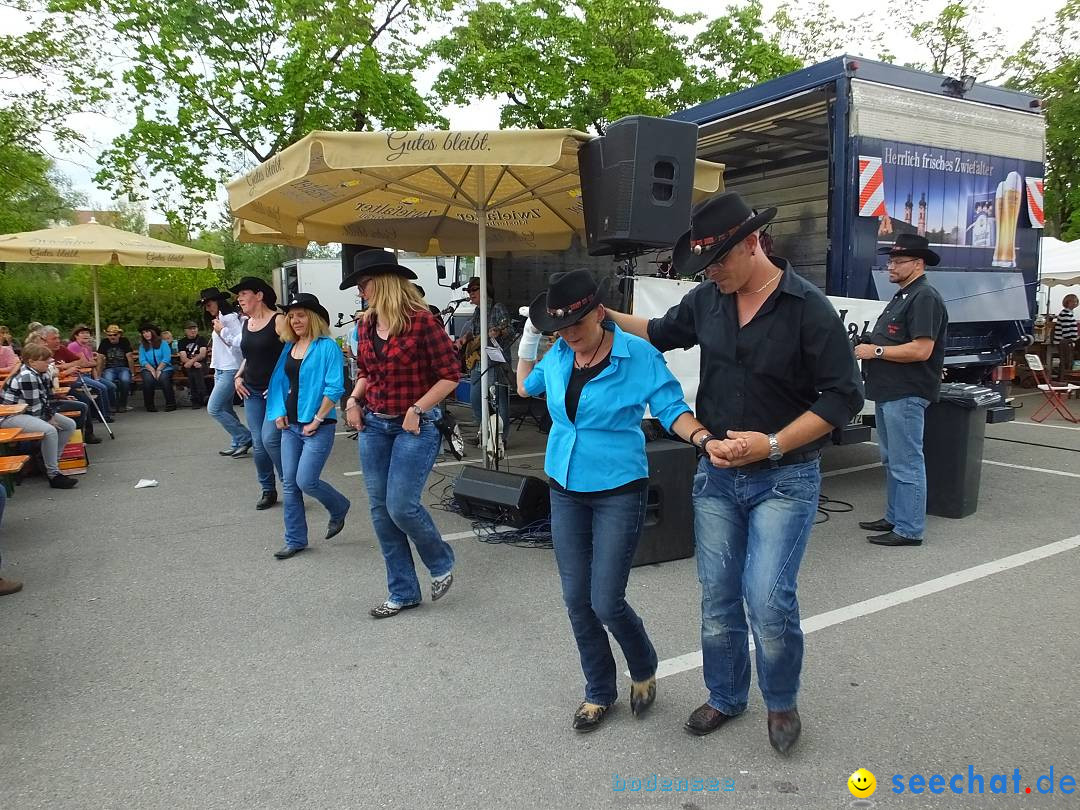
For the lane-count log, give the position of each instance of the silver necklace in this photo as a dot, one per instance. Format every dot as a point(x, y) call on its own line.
point(763, 286)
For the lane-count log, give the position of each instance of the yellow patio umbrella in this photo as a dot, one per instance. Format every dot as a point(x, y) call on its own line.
point(447, 193)
point(96, 244)
point(247, 231)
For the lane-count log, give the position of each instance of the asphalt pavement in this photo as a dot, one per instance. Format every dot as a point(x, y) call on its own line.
point(160, 657)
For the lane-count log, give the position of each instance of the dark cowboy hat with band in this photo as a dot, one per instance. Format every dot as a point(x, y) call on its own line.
point(146, 326)
point(911, 245)
point(256, 285)
point(716, 226)
point(373, 263)
point(211, 294)
point(570, 298)
point(306, 301)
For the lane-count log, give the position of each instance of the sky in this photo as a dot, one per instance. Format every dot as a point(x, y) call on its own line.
point(1017, 19)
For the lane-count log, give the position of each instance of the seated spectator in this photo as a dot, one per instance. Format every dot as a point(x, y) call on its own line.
point(155, 358)
point(193, 350)
point(8, 340)
point(9, 361)
point(70, 361)
point(118, 357)
point(80, 345)
point(65, 362)
point(166, 337)
point(32, 385)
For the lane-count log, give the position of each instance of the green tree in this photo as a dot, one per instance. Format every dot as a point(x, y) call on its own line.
point(48, 71)
point(580, 64)
point(1048, 65)
point(738, 50)
point(32, 194)
point(217, 85)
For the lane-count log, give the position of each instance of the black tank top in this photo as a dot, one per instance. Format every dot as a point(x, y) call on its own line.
point(261, 350)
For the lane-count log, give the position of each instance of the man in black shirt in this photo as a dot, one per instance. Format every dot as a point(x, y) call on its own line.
point(777, 377)
point(902, 364)
point(193, 349)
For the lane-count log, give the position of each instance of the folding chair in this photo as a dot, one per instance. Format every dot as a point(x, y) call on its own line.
point(1055, 394)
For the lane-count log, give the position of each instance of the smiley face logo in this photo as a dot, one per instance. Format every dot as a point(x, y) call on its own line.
point(862, 784)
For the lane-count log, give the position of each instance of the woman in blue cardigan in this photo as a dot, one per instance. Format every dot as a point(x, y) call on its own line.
point(598, 380)
point(304, 389)
point(155, 358)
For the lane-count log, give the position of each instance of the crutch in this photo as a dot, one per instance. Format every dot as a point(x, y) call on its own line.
point(90, 396)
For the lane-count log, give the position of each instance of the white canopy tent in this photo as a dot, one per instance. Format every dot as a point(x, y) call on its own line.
point(1059, 272)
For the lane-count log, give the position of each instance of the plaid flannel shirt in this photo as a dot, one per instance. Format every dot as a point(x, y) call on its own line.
point(26, 385)
point(414, 361)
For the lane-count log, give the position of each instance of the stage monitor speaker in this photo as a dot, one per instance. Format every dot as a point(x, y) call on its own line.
point(637, 184)
point(669, 510)
point(348, 253)
point(515, 500)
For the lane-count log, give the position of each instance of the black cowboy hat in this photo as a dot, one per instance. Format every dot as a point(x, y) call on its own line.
point(211, 294)
point(570, 298)
point(146, 326)
point(913, 245)
point(256, 284)
point(373, 263)
point(716, 226)
point(306, 301)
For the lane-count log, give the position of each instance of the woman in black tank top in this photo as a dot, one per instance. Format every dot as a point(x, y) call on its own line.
point(261, 347)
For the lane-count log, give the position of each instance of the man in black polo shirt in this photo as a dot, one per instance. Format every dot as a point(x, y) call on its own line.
point(902, 365)
point(777, 376)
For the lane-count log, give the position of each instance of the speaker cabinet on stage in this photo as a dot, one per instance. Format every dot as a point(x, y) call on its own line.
point(669, 511)
point(637, 184)
point(515, 500)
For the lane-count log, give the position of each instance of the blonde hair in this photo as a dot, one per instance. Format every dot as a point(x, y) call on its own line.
point(394, 299)
point(317, 327)
point(36, 351)
point(35, 336)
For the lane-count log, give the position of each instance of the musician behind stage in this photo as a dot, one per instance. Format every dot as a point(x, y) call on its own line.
point(501, 331)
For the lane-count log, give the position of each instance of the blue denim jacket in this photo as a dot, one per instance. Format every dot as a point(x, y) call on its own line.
point(604, 447)
point(322, 374)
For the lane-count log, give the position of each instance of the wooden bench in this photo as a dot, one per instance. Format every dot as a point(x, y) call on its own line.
point(9, 465)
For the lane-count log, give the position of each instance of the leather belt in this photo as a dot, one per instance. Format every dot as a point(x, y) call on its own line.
point(788, 460)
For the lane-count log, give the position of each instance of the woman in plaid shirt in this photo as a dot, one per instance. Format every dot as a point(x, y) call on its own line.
point(33, 385)
point(405, 366)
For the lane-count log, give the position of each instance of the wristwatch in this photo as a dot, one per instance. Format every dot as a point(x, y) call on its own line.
point(879, 351)
point(417, 410)
point(775, 453)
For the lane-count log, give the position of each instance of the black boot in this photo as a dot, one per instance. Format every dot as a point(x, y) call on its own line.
point(268, 499)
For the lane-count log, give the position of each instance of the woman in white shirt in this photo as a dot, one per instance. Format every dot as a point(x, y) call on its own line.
point(225, 359)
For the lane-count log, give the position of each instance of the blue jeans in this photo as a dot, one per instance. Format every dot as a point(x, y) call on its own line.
point(265, 439)
point(164, 382)
point(595, 538)
point(120, 377)
point(751, 530)
point(220, 407)
point(302, 461)
point(106, 392)
point(502, 396)
point(900, 439)
point(396, 465)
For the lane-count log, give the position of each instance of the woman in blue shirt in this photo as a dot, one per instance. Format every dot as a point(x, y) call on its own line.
point(305, 386)
point(598, 380)
point(155, 358)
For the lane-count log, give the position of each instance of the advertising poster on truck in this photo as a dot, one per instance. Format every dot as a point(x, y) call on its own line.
point(970, 205)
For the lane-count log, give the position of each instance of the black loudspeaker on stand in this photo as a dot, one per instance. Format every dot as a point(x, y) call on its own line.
point(502, 497)
point(669, 510)
point(637, 184)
